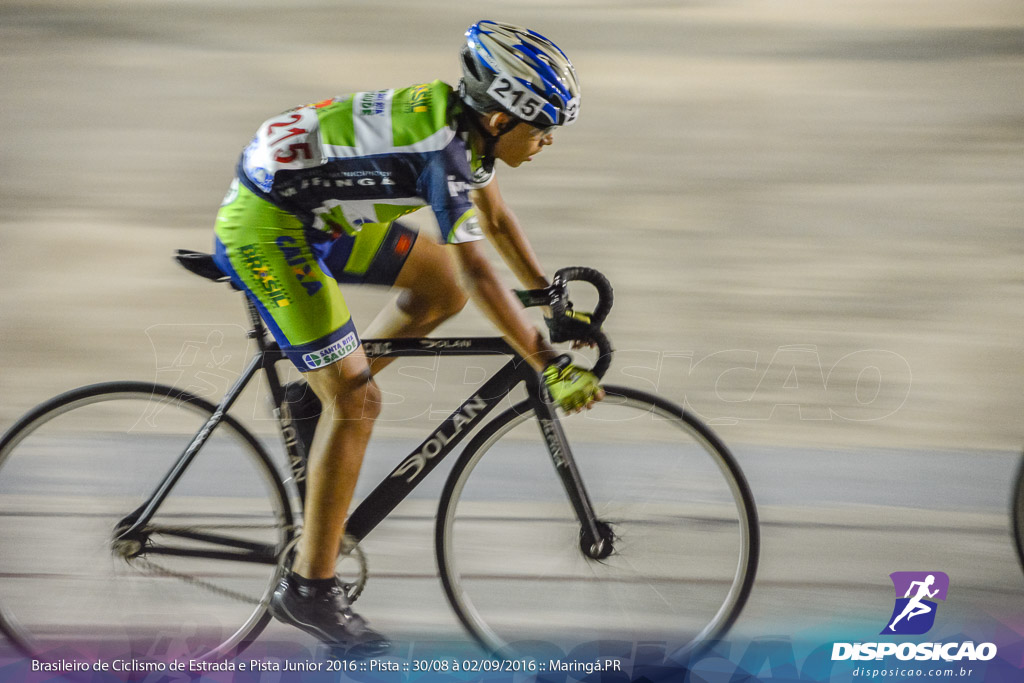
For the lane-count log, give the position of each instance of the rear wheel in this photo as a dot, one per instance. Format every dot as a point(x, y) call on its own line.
point(74, 467)
point(668, 495)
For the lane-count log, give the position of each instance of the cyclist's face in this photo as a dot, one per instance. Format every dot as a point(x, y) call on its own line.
point(521, 144)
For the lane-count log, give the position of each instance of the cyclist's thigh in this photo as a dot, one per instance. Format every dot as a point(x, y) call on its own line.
point(373, 256)
point(266, 252)
point(429, 268)
point(392, 255)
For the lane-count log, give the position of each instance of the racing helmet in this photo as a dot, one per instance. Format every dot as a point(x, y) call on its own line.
point(520, 72)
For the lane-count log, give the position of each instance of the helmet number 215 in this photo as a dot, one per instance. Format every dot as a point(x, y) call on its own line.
point(515, 98)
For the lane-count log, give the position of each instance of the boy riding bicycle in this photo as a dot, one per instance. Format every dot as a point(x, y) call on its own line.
point(315, 203)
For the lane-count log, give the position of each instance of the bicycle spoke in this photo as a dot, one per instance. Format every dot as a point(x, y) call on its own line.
point(683, 531)
point(196, 574)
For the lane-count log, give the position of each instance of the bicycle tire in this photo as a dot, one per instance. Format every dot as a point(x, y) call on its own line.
point(502, 622)
point(1017, 513)
point(64, 592)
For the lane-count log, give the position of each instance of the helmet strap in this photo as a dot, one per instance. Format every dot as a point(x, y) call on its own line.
point(490, 139)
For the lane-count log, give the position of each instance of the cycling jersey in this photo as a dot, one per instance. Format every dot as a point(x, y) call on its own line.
point(316, 199)
point(370, 157)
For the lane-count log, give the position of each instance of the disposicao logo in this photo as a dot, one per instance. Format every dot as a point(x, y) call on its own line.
point(916, 593)
point(914, 614)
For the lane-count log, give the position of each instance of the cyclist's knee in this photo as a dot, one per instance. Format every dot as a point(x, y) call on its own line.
point(347, 390)
point(369, 399)
point(357, 402)
point(449, 303)
point(435, 306)
point(457, 299)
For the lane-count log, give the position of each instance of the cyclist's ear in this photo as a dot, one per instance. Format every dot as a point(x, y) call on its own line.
point(496, 122)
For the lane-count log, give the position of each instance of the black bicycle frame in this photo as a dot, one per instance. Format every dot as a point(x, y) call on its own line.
point(405, 477)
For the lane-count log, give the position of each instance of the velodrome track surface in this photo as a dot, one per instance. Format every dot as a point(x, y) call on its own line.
point(811, 217)
point(827, 548)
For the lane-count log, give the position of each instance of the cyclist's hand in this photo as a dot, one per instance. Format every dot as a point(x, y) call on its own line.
point(571, 387)
point(572, 325)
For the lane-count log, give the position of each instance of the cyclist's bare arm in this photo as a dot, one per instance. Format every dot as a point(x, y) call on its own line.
point(503, 230)
point(500, 305)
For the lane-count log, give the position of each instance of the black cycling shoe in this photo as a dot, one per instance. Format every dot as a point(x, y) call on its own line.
point(328, 616)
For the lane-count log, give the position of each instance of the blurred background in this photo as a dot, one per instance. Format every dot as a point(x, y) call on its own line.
point(810, 213)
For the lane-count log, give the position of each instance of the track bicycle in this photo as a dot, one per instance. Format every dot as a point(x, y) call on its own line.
point(137, 517)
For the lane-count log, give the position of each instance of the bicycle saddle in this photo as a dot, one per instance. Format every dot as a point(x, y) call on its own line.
point(201, 264)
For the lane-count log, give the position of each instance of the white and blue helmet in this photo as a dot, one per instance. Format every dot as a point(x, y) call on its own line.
point(515, 70)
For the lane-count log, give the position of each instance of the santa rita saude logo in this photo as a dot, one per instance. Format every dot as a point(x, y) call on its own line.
point(332, 353)
point(913, 614)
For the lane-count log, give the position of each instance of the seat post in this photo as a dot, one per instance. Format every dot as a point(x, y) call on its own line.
point(258, 330)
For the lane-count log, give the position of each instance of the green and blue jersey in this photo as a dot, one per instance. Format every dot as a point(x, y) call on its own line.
point(368, 158)
point(316, 200)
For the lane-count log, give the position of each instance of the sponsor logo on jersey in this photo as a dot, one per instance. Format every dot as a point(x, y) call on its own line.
point(269, 284)
point(302, 269)
point(457, 187)
point(373, 103)
point(332, 353)
point(355, 179)
point(419, 100)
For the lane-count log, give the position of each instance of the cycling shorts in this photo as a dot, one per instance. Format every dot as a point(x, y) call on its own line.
point(291, 274)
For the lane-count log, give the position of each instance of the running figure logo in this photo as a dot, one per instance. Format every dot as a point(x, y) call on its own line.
point(914, 612)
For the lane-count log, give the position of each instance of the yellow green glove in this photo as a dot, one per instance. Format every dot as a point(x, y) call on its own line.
point(571, 387)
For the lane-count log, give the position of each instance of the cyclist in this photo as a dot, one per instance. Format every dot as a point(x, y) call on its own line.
point(315, 203)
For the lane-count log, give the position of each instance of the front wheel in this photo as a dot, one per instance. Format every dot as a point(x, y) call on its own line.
point(192, 584)
point(1017, 513)
point(666, 491)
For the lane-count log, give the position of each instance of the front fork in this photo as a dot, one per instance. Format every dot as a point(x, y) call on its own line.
point(596, 538)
